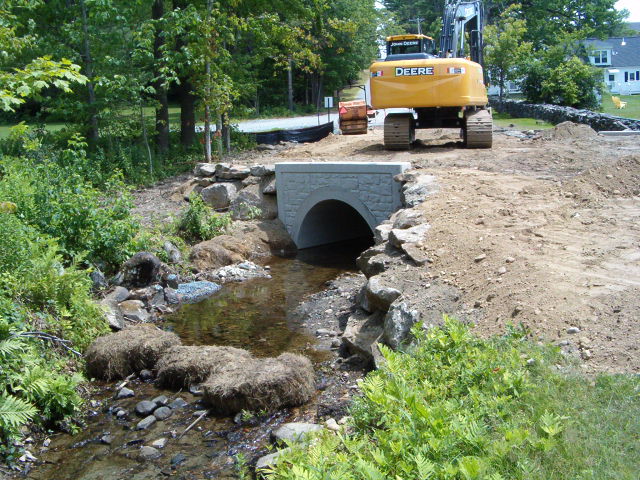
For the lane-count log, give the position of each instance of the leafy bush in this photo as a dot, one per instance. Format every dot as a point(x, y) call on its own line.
point(200, 222)
point(458, 407)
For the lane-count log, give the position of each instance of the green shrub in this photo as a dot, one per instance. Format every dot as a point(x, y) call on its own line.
point(200, 222)
point(459, 407)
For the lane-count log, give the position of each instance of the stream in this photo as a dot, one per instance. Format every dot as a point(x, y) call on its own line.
point(258, 315)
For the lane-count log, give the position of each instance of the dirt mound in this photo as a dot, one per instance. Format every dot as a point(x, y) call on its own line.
point(128, 351)
point(569, 131)
point(620, 179)
point(261, 384)
point(183, 365)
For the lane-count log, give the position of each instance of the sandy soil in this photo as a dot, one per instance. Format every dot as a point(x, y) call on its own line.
point(556, 217)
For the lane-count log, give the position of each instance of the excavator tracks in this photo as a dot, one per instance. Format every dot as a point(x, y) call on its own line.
point(399, 131)
point(478, 132)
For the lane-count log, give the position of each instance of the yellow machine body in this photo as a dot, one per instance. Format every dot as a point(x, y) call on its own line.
point(427, 83)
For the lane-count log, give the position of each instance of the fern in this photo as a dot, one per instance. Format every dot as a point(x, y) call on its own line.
point(14, 412)
point(9, 348)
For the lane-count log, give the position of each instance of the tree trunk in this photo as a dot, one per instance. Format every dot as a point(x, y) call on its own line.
point(290, 84)
point(162, 111)
point(501, 85)
point(226, 133)
point(207, 100)
point(88, 64)
point(187, 113)
point(219, 136)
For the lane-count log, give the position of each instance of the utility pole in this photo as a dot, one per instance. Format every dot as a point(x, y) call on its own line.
point(419, 21)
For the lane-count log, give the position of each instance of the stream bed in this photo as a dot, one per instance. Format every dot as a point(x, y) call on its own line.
point(259, 315)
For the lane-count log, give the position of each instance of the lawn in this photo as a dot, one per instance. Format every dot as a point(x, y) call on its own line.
point(506, 121)
point(632, 109)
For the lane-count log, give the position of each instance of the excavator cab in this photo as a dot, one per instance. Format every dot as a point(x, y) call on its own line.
point(410, 47)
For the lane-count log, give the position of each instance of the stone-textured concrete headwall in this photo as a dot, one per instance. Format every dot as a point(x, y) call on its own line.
point(556, 114)
point(367, 187)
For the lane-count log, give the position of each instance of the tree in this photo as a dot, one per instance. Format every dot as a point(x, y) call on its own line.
point(505, 49)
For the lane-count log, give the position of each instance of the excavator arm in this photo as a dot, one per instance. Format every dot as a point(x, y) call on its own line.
point(461, 18)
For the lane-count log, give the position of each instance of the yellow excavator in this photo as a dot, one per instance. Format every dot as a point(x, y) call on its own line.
point(444, 89)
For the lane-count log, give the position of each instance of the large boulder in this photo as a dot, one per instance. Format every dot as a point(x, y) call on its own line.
point(379, 294)
point(226, 171)
point(263, 170)
point(416, 191)
point(362, 332)
point(407, 218)
point(194, 292)
point(398, 323)
point(134, 311)
point(416, 234)
point(219, 251)
point(205, 170)
point(219, 195)
point(251, 203)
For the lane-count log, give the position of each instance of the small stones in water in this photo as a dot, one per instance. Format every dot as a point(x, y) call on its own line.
point(163, 413)
point(145, 374)
point(146, 422)
point(124, 392)
point(121, 413)
point(178, 403)
point(145, 407)
point(159, 443)
point(149, 453)
point(573, 330)
point(107, 439)
point(160, 401)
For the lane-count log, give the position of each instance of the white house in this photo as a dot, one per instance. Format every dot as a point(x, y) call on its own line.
point(619, 58)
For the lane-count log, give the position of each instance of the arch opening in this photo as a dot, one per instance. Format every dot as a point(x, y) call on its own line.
point(332, 221)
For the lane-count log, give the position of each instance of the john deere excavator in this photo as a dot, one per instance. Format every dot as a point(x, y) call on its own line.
point(445, 90)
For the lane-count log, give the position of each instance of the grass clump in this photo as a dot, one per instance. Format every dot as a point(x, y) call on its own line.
point(200, 222)
point(459, 407)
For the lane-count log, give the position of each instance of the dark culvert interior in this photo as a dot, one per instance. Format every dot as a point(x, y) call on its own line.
point(332, 221)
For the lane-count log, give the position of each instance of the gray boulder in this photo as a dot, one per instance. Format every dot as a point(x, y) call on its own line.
point(205, 170)
point(163, 413)
point(194, 292)
point(407, 218)
point(98, 280)
point(270, 460)
point(219, 195)
point(134, 311)
point(362, 332)
point(173, 254)
point(145, 408)
point(269, 188)
point(149, 453)
point(113, 315)
point(119, 294)
point(263, 170)
point(381, 233)
point(141, 270)
point(379, 295)
point(146, 422)
point(225, 171)
point(397, 324)
point(251, 203)
point(397, 237)
point(295, 432)
point(419, 189)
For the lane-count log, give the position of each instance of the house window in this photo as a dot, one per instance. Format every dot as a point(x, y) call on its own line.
point(600, 57)
point(612, 77)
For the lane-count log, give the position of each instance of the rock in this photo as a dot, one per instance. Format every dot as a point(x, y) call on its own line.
point(509, 259)
point(372, 261)
point(262, 170)
point(121, 413)
point(379, 295)
point(270, 460)
point(177, 459)
point(502, 271)
point(178, 403)
point(332, 425)
point(124, 392)
point(171, 296)
point(27, 457)
point(134, 311)
point(163, 413)
point(573, 330)
point(335, 343)
point(397, 324)
point(158, 298)
point(417, 255)
point(173, 253)
point(195, 390)
point(362, 331)
point(184, 191)
point(381, 233)
point(325, 332)
point(418, 189)
point(265, 147)
point(295, 432)
point(145, 374)
point(238, 273)
point(113, 315)
point(195, 292)
point(363, 300)
point(219, 195)
point(160, 400)
point(251, 203)
point(159, 443)
point(205, 170)
point(415, 234)
point(480, 257)
point(99, 282)
point(118, 295)
point(171, 281)
point(407, 218)
point(146, 422)
point(225, 171)
point(270, 187)
point(107, 439)
point(149, 453)
point(218, 252)
point(141, 270)
point(145, 408)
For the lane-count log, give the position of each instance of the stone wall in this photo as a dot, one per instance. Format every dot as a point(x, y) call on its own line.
point(556, 114)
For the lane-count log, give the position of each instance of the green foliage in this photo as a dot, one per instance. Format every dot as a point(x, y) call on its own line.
point(458, 407)
point(200, 222)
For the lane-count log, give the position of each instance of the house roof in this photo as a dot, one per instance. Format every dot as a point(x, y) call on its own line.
point(627, 55)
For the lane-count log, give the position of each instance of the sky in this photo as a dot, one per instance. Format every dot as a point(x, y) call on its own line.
point(633, 6)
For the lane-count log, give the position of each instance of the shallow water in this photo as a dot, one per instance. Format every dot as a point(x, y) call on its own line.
point(258, 315)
